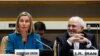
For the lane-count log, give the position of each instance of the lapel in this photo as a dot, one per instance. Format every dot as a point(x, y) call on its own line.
point(19, 42)
point(83, 45)
point(65, 37)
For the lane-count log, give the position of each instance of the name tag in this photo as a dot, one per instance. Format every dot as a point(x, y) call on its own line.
point(8, 55)
point(27, 52)
point(85, 52)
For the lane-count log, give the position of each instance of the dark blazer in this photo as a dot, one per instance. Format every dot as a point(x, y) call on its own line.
point(66, 50)
point(47, 42)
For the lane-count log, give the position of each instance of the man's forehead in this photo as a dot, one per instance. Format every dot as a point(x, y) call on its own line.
point(74, 19)
point(74, 23)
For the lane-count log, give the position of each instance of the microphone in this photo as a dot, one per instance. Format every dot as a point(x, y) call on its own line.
point(44, 44)
point(88, 28)
point(93, 47)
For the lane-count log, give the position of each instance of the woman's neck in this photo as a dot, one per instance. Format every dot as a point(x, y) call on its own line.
point(24, 36)
point(23, 33)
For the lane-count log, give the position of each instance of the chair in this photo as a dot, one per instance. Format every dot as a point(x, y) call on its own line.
point(55, 47)
point(3, 44)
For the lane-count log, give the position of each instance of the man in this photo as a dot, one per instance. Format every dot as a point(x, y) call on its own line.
point(75, 38)
point(40, 28)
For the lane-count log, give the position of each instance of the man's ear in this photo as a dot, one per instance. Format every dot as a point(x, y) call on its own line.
point(82, 28)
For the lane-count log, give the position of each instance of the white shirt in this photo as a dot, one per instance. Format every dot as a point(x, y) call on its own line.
point(76, 44)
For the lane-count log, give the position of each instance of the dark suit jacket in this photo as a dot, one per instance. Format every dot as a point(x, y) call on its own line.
point(66, 50)
point(47, 42)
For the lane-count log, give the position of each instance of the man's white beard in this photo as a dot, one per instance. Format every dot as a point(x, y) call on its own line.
point(71, 33)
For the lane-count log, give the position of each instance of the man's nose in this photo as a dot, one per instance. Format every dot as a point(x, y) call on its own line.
point(70, 27)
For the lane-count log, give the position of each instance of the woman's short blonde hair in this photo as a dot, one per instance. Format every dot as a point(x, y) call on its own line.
point(31, 27)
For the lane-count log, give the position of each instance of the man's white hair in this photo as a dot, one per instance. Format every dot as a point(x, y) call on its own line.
point(78, 19)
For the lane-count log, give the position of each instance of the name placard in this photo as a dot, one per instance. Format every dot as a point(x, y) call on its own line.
point(27, 52)
point(8, 55)
point(85, 52)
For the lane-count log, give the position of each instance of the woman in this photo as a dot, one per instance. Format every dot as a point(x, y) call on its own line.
point(23, 37)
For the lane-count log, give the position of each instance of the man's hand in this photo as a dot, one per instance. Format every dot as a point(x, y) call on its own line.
point(83, 39)
point(75, 38)
point(78, 38)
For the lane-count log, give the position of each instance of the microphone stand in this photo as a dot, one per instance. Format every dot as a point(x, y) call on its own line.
point(44, 44)
point(57, 48)
point(97, 35)
point(58, 54)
